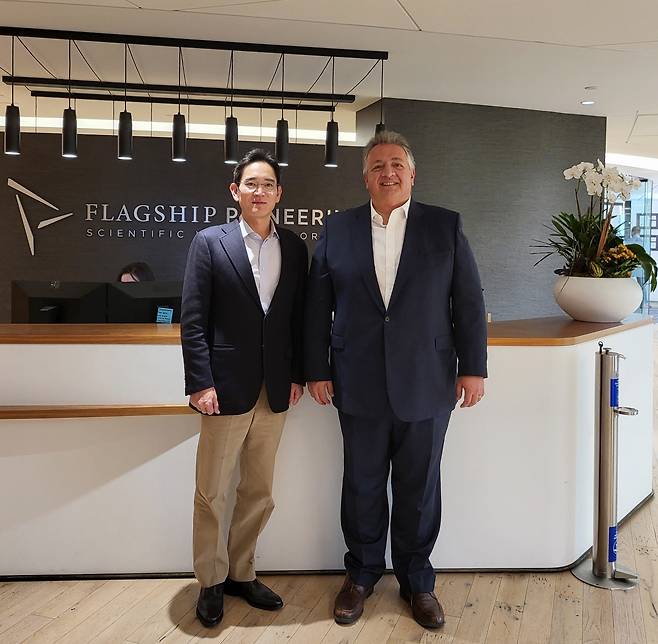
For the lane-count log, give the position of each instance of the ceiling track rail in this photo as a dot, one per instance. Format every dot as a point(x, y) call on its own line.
point(191, 43)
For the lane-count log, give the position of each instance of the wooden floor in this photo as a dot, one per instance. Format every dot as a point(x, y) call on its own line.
point(503, 608)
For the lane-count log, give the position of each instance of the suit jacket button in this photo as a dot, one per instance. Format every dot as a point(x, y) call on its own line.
point(387, 319)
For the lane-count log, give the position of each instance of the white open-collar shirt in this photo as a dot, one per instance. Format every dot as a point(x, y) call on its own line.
point(265, 261)
point(387, 243)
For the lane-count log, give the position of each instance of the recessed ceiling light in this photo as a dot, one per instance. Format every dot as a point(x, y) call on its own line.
point(587, 102)
point(590, 87)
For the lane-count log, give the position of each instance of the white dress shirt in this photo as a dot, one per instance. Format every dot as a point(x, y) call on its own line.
point(387, 243)
point(265, 260)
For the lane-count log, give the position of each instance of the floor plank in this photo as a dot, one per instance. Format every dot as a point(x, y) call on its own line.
point(114, 611)
point(597, 616)
point(20, 631)
point(77, 613)
point(26, 598)
point(474, 622)
point(72, 595)
point(452, 590)
point(508, 610)
point(538, 609)
point(567, 622)
point(645, 549)
point(146, 603)
point(168, 617)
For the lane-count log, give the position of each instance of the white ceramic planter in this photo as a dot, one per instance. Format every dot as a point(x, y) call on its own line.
point(597, 299)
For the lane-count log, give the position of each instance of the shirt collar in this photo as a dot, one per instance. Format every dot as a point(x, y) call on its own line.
point(247, 230)
point(377, 218)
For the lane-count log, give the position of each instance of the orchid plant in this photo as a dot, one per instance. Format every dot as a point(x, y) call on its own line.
point(587, 242)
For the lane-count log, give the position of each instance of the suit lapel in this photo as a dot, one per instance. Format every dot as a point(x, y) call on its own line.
point(362, 240)
point(233, 245)
point(411, 246)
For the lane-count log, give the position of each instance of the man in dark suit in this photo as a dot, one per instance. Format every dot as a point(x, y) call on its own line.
point(241, 329)
point(408, 339)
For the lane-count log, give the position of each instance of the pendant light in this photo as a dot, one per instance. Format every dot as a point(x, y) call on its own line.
point(282, 141)
point(331, 140)
point(231, 129)
point(69, 125)
point(12, 118)
point(125, 135)
point(179, 135)
point(381, 127)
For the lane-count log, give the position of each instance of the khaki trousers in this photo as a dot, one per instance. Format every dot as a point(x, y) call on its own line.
point(251, 440)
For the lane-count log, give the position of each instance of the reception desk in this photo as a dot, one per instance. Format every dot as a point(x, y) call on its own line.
point(97, 451)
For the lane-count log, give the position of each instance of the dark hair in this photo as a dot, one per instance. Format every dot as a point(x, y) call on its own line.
point(252, 157)
point(140, 271)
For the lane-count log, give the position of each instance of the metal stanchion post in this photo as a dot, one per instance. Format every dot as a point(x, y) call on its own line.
point(601, 568)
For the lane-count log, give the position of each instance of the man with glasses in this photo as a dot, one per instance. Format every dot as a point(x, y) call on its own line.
point(241, 330)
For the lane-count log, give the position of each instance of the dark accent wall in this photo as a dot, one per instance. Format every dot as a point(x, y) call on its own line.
point(501, 168)
point(84, 247)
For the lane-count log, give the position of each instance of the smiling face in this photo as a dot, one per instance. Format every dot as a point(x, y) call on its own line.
point(389, 177)
point(258, 191)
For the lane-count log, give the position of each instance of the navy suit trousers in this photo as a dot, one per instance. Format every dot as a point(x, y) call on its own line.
point(411, 451)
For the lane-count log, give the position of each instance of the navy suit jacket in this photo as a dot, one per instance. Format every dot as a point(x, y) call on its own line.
point(406, 355)
point(228, 342)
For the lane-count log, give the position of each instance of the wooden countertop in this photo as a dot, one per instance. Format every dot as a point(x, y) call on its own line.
point(556, 331)
point(89, 333)
point(549, 331)
point(29, 412)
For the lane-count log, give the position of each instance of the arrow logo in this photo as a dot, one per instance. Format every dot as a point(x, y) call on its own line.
point(26, 225)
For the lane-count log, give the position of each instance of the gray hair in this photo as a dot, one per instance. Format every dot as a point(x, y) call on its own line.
point(388, 137)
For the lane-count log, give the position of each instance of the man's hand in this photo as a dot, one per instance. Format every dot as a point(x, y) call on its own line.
point(472, 387)
point(296, 392)
point(205, 401)
point(321, 391)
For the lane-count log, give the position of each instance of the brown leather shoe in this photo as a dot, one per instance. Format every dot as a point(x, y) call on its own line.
point(425, 608)
point(349, 601)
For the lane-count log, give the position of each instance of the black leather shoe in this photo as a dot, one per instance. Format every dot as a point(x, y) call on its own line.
point(255, 593)
point(210, 605)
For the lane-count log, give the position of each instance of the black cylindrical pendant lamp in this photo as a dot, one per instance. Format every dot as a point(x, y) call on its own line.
point(331, 145)
point(178, 139)
point(12, 118)
point(70, 134)
point(69, 125)
point(380, 127)
point(231, 140)
point(12, 130)
point(282, 142)
point(125, 136)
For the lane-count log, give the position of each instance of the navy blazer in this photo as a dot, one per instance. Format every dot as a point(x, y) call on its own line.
point(409, 353)
point(228, 342)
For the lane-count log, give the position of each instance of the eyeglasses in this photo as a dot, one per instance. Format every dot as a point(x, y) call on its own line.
point(253, 186)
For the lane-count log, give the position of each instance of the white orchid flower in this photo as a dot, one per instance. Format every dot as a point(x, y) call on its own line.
point(593, 182)
point(611, 175)
point(572, 173)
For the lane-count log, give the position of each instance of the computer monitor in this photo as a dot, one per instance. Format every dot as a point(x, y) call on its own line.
point(140, 302)
point(58, 302)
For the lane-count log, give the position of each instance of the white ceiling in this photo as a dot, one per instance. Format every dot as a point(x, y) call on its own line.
point(519, 53)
